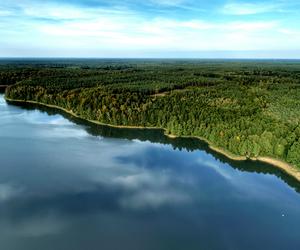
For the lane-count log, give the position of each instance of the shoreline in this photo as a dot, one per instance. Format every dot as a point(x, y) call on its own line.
point(287, 168)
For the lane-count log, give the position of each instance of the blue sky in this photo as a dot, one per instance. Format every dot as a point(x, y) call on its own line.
point(150, 28)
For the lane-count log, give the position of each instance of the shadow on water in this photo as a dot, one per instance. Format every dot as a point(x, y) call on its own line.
point(157, 136)
point(2, 89)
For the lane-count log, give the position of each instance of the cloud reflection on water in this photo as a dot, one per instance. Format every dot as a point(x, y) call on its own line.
point(57, 180)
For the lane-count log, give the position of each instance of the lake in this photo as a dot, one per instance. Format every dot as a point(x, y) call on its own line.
point(67, 184)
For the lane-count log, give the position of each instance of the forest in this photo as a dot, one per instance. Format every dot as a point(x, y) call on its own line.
point(246, 107)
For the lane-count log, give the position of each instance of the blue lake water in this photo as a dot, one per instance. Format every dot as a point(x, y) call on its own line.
point(66, 184)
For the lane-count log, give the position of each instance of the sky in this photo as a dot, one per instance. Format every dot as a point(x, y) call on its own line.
point(150, 28)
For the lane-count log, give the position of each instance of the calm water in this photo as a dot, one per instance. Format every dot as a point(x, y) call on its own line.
point(67, 185)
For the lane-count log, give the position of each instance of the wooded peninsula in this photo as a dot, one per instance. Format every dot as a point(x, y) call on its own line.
point(244, 108)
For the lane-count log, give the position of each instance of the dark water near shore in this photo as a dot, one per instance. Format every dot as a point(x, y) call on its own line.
point(66, 184)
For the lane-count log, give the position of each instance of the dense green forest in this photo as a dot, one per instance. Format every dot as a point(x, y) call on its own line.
point(249, 108)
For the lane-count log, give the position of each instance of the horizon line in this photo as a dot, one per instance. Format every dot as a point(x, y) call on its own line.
point(150, 58)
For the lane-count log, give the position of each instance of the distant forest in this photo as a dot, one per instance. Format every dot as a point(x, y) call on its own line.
point(249, 108)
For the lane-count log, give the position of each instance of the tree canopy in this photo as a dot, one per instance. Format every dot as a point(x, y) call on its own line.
point(249, 108)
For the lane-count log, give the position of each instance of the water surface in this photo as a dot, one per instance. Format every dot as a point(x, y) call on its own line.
point(66, 184)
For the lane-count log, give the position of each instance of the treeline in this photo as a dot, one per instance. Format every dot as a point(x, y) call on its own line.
point(248, 110)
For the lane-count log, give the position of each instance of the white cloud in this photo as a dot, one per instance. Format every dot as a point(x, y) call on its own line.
point(179, 4)
point(154, 199)
point(149, 189)
point(248, 8)
point(101, 32)
point(65, 11)
point(138, 180)
point(8, 192)
point(4, 13)
point(168, 2)
point(290, 32)
point(55, 12)
point(250, 26)
point(161, 25)
point(218, 167)
point(134, 33)
point(41, 225)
